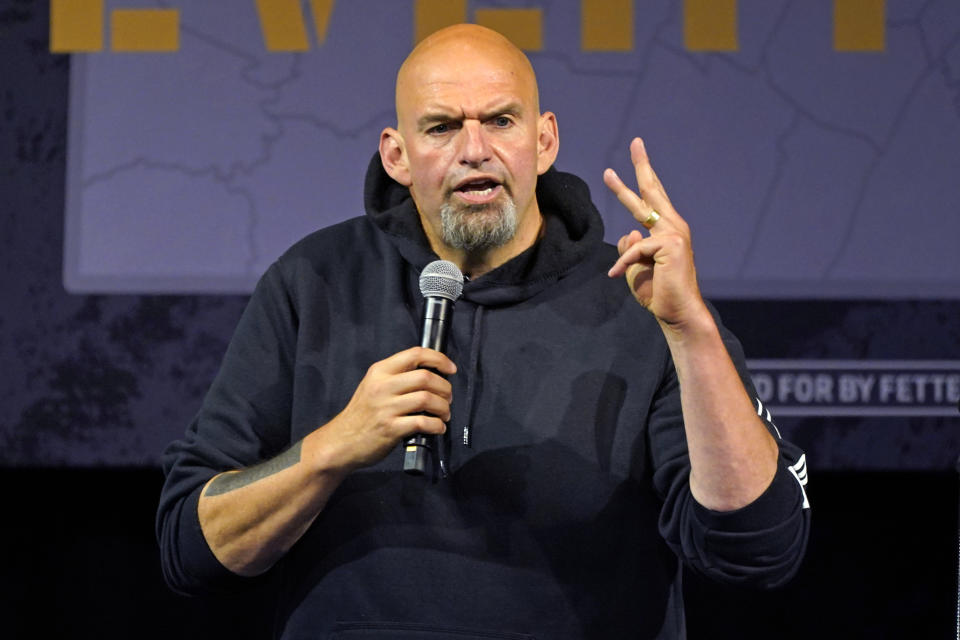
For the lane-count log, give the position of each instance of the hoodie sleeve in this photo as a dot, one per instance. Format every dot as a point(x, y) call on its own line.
point(245, 418)
point(761, 544)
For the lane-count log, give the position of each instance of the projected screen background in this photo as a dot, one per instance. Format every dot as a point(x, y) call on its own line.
point(800, 167)
point(157, 157)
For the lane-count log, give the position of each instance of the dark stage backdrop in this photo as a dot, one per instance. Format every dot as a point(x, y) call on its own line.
point(96, 382)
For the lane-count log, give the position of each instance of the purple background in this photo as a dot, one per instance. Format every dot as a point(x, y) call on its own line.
point(799, 167)
point(109, 379)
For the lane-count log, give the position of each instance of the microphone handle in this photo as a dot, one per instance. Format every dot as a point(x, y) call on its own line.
point(436, 318)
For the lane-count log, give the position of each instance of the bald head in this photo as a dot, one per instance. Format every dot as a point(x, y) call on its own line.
point(470, 143)
point(462, 53)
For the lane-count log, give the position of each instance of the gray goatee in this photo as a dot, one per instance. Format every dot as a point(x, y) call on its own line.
point(473, 228)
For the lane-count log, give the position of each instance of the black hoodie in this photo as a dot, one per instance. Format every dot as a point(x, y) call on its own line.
point(566, 507)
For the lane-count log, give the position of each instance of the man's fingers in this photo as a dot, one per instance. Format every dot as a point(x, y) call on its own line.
point(418, 358)
point(647, 180)
point(422, 402)
point(651, 189)
point(428, 424)
point(638, 252)
point(627, 197)
point(637, 276)
point(404, 390)
point(421, 380)
point(628, 241)
point(638, 207)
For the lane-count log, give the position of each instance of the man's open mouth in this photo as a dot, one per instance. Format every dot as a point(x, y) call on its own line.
point(479, 186)
point(478, 190)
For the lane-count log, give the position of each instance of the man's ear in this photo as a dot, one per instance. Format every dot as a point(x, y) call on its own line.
point(393, 155)
point(548, 141)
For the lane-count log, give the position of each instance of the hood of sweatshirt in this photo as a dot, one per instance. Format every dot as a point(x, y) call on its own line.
point(573, 229)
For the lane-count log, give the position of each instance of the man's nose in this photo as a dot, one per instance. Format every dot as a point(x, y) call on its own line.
point(474, 150)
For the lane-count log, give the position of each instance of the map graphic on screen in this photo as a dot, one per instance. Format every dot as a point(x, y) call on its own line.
point(804, 171)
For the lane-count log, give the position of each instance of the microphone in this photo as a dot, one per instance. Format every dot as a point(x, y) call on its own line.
point(441, 283)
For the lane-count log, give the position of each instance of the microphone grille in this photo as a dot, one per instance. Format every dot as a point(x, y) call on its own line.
point(441, 278)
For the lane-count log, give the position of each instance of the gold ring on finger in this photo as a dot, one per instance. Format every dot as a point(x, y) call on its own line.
point(651, 219)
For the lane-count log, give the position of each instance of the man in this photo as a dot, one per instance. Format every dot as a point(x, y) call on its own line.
point(588, 441)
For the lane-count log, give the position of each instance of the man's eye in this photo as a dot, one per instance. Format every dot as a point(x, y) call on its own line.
point(443, 128)
point(501, 121)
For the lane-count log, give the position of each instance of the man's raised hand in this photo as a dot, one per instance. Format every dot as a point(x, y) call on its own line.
point(659, 267)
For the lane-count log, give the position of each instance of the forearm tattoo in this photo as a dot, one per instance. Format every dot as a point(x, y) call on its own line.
point(227, 482)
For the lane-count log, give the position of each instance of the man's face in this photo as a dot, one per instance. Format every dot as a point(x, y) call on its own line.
point(469, 120)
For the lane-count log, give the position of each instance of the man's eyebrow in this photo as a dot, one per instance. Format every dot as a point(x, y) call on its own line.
point(508, 109)
point(429, 118)
point(432, 117)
